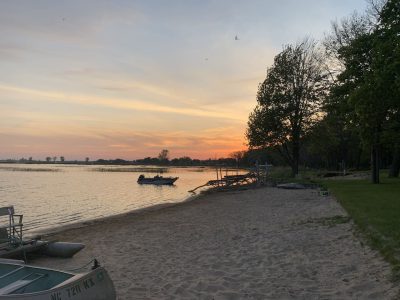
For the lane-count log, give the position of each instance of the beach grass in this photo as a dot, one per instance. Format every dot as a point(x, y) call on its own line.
point(284, 174)
point(375, 209)
point(19, 169)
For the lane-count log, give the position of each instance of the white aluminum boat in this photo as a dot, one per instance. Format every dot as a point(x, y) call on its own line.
point(20, 281)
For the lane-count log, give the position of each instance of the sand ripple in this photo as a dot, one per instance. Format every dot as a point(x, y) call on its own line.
point(257, 244)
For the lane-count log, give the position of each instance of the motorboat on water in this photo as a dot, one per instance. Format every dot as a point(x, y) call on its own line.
point(157, 180)
point(21, 281)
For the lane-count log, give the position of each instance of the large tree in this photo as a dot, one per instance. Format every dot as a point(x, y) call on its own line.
point(336, 137)
point(288, 101)
point(388, 65)
point(368, 82)
point(163, 157)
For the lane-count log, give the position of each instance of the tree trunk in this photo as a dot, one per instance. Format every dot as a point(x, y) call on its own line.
point(358, 163)
point(295, 169)
point(395, 167)
point(375, 163)
point(296, 155)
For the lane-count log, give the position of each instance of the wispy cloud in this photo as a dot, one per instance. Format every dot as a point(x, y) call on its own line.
point(123, 104)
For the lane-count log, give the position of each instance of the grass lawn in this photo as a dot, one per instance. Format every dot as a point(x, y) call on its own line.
point(375, 209)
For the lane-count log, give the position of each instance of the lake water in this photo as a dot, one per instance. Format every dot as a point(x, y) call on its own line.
point(55, 195)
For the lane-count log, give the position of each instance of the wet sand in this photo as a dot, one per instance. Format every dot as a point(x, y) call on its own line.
point(264, 243)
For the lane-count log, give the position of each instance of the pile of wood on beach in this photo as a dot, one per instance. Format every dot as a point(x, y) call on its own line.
point(229, 181)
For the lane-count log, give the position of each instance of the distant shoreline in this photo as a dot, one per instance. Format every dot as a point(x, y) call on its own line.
point(205, 164)
point(92, 163)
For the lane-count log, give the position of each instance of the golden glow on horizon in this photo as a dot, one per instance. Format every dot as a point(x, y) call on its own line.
point(137, 145)
point(111, 142)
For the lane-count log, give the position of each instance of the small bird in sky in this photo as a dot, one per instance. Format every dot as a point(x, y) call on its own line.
point(236, 38)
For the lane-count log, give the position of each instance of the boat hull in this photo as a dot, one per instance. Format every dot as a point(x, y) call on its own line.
point(95, 285)
point(62, 249)
point(158, 180)
point(55, 249)
point(34, 246)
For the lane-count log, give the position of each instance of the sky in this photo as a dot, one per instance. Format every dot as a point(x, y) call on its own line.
point(126, 79)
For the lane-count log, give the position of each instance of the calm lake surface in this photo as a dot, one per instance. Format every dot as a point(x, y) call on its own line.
point(50, 196)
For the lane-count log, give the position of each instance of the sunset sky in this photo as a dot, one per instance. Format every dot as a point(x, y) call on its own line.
point(126, 79)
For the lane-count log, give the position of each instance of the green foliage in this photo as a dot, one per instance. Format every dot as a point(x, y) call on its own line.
point(367, 85)
point(388, 77)
point(356, 81)
point(331, 143)
point(360, 116)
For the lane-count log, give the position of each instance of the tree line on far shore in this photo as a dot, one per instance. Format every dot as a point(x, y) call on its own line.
point(242, 159)
point(184, 161)
point(335, 103)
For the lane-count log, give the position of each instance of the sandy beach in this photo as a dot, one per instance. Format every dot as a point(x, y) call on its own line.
point(264, 243)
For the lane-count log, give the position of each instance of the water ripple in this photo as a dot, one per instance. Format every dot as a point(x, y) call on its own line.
point(50, 199)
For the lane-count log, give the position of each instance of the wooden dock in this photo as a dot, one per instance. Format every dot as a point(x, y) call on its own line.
point(229, 181)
